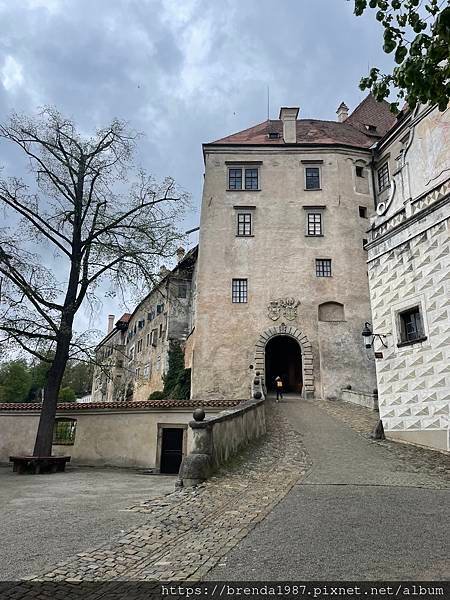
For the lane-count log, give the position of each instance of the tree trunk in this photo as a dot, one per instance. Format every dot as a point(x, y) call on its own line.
point(44, 437)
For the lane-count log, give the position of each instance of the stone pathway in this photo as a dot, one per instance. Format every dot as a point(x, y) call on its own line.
point(189, 530)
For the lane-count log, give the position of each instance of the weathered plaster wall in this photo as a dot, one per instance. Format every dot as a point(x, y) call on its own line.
point(360, 398)
point(279, 261)
point(115, 438)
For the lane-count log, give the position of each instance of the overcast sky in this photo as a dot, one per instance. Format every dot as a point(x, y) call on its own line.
point(181, 71)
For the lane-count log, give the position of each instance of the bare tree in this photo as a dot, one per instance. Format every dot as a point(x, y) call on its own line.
point(91, 216)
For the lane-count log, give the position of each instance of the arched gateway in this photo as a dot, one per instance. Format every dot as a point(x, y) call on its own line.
point(286, 344)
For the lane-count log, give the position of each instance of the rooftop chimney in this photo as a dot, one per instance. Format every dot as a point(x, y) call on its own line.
point(289, 118)
point(342, 112)
point(180, 253)
point(111, 322)
point(163, 271)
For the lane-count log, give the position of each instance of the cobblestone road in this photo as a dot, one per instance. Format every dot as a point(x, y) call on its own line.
point(189, 530)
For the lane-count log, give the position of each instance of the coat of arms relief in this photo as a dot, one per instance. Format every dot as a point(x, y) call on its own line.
point(283, 307)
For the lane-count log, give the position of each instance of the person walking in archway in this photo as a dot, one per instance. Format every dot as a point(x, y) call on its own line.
point(279, 387)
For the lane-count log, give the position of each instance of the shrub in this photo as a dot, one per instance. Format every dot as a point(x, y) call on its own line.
point(157, 395)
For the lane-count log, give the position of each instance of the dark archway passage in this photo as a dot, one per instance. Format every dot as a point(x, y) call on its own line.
point(284, 359)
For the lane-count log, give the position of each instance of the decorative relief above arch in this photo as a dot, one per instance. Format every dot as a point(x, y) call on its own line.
point(283, 307)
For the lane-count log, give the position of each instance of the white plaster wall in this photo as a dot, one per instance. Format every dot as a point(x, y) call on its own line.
point(107, 438)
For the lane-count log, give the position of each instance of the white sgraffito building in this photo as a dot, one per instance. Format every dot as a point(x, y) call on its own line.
point(409, 277)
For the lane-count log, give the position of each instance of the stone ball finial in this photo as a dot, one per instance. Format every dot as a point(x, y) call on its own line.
point(257, 373)
point(199, 414)
point(257, 395)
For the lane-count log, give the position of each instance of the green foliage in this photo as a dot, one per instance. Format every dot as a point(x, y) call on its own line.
point(66, 394)
point(418, 33)
point(177, 380)
point(176, 366)
point(157, 395)
point(22, 382)
point(15, 381)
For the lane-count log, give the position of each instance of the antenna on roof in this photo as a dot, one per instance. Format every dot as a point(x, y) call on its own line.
point(268, 103)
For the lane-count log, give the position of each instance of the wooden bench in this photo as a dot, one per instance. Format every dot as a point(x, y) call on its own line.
point(39, 464)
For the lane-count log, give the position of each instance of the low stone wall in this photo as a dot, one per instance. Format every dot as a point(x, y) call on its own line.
point(361, 398)
point(216, 439)
point(107, 434)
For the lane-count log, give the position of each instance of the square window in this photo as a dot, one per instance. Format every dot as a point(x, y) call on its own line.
point(314, 224)
point(251, 179)
point(244, 224)
point(359, 171)
point(235, 179)
point(64, 431)
point(312, 178)
point(239, 291)
point(383, 177)
point(323, 267)
point(363, 212)
point(411, 327)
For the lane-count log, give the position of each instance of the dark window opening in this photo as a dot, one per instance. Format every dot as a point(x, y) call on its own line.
point(314, 224)
point(235, 179)
point(251, 179)
point(323, 267)
point(364, 243)
point(64, 431)
point(383, 177)
point(359, 171)
point(273, 135)
point(363, 212)
point(244, 224)
point(239, 290)
point(411, 327)
point(182, 290)
point(312, 177)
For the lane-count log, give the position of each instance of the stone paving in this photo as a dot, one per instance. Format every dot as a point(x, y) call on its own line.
point(189, 530)
point(363, 420)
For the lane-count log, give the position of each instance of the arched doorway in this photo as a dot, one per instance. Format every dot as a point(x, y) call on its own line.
point(283, 357)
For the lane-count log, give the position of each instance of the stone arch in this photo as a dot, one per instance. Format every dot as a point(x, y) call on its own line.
point(306, 350)
point(331, 312)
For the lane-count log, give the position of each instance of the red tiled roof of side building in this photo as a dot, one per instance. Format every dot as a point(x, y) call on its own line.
point(81, 407)
point(351, 132)
point(124, 318)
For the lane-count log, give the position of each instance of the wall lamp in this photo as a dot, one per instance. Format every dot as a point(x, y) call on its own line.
point(367, 333)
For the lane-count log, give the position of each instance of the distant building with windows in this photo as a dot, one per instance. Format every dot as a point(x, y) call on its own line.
point(282, 269)
point(409, 276)
point(133, 357)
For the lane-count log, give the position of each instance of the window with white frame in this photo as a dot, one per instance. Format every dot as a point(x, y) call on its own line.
point(244, 224)
point(314, 224)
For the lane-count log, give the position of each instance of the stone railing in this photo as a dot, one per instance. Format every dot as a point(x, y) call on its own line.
point(361, 398)
point(216, 439)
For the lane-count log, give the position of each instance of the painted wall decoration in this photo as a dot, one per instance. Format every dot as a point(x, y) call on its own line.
point(283, 307)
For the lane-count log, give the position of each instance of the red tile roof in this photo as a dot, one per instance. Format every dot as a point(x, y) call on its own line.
point(351, 132)
point(163, 404)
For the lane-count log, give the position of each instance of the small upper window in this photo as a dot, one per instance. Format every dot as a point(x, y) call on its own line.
point(323, 267)
point(244, 224)
point(235, 179)
point(239, 290)
point(312, 178)
point(383, 177)
point(359, 171)
point(411, 327)
point(273, 135)
point(363, 212)
point(315, 224)
point(139, 346)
